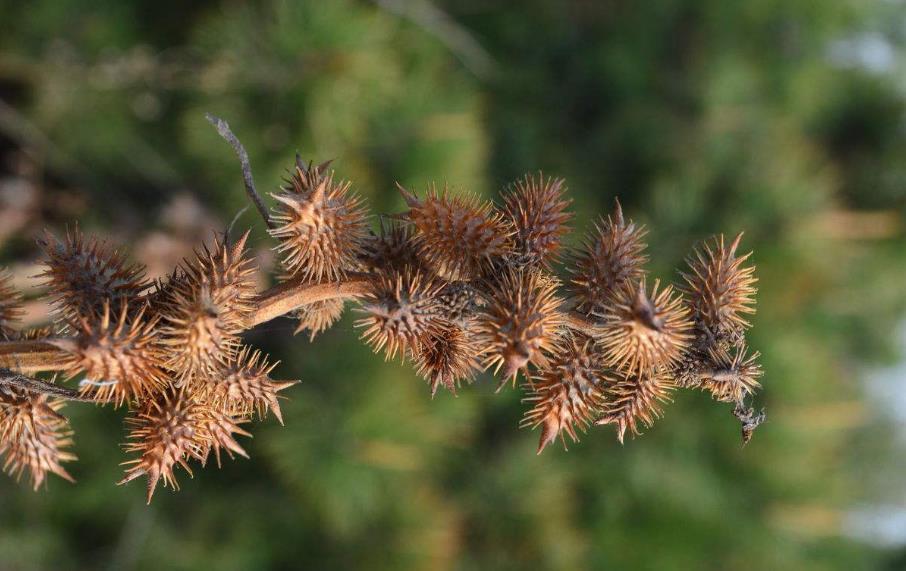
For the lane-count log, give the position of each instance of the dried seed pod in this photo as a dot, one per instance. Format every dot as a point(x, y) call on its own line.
point(306, 177)
point(521, 323)
point(458, 236)
point(320, 225)
point(318, 317)
point(34, 436)
point(245, 385)
point(537, 210)
point(205, 308)
point(394, 247)
point(401, 311)
point(569, 394)
point(447, 357)
point(220, 424)
point(10, 306)
point(640, 333)
point(82, 274)
point(611, 256)
point(118, 355)
point(166, 431)
point(720, 289)
point(731, 375)
point(458, 302)
point(632, 399)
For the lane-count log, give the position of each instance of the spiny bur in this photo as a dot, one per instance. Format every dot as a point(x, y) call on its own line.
point(570, 394)
point(459, 237)
point(82, 274)
point(401, 311)
point(522, 323)
point(612, 256)
point(536, 209)
point(10, 307)
point(321, 226)
point(632, 400)
point(643, 333)
point(118, 355)
point(34, 436)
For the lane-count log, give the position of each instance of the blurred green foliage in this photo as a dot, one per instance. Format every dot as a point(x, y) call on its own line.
point(703, 117)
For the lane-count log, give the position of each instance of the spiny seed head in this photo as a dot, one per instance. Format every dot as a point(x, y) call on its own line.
point(642, 333)
point(720, 289)
point(306, 177)
point(394, 247)
point(227, 272)
point(458, 236)
point(569, 394)
point(401, 311)
point(536, 208)
point(205, 308)
point(165, 432)
point(245, 385)
point(632, 399)
point(33, 437)
point(732, 375)
point(221, 424)
point(458, 302)
point(10, 306)
point(196, 338)
point(320, 225)
point(447, 357)
point(82, 274)
point(611, 256)
point(118, 354)
point(318, 317)
point(521, 323)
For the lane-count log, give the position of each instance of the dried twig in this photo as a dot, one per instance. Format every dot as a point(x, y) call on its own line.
point(223, 128)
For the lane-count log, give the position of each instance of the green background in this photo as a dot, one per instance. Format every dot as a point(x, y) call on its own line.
point(782, 118)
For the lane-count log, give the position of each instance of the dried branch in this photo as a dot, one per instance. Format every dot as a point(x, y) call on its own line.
point(454, 284)
point(223, 128)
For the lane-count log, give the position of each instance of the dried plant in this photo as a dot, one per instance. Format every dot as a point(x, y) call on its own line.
point(453, 284)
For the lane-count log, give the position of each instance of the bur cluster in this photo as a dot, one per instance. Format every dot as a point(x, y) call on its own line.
point(458, 287)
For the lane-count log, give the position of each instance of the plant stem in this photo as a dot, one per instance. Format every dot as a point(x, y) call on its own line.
point(48, 354)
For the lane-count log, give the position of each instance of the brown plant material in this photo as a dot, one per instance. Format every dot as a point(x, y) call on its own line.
point(632, 400)
point(733, 375)
point(82, 274)
point(537, 210)
point(318, 317)
point(220, 425)
point(10, 307)
point(459, 237)
point(451, 283)
point(448, 356)
point(401, 310)
point(320, 225)
point(245, 385)
point(643, 333)
point(721, 290)
point(394, 247)
point(166, 432)
point(568, 395)
point(521, 323)
point(612, 256)
point(205, 308)
point(118, 354)
point(34, 436)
